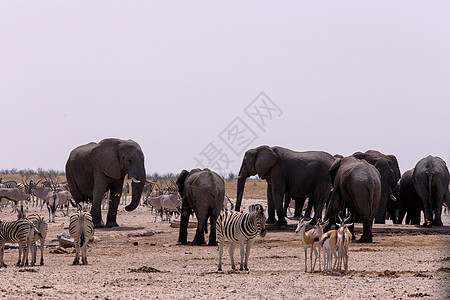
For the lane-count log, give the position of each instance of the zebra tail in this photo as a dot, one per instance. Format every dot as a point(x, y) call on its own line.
point(82, 239)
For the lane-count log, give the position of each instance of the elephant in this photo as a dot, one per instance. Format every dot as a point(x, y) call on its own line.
point(202, 191)
point(409, 201)
point(299, 174)
point(431, 179)
point(389, 170)
point(356, 186)
point(96, 168)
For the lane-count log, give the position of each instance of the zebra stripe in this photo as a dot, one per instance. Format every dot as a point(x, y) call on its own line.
point(15, 232)
point(240, 228)
point(81, 228)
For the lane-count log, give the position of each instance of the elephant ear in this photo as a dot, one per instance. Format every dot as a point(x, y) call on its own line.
point(334, 168)
point(264, 160)
point(180, 182)
point(104, 157)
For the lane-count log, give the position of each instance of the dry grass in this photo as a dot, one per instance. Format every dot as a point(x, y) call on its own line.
point(254, 189)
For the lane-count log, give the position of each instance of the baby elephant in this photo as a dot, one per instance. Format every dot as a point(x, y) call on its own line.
point(81, 228)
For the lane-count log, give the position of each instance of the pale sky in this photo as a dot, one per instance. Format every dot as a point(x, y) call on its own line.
point(178, 78)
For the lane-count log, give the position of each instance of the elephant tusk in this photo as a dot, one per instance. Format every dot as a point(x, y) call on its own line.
point(151, 182)
point(240, 177)
point(135, 180)
point(393, 198)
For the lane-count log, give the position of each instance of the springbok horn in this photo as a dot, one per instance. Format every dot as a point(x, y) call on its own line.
point(348, 217)
point(135, 180)
point(339, 216)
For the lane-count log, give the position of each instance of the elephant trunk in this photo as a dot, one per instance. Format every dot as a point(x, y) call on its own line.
point(137, 186)
point(240, 192)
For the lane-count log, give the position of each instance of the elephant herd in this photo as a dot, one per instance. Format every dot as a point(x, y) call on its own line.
point(368, 184)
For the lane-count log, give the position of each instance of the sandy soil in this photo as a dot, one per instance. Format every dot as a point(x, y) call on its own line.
point(125, 263)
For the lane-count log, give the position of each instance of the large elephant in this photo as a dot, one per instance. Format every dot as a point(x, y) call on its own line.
point(409, 201)
point(95, 168)
point(299, 174)
point(356, 186)
point(202, 191)
point(389, 170)
point(431, 178)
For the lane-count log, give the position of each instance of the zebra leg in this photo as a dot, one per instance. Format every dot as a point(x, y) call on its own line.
point(242, 250)
point(42, 251)
point(33, 252)
point(76, 261)
point(231, 252)
point(84, 254)
point(247, 254)
point(2, 251)
point(219, 267)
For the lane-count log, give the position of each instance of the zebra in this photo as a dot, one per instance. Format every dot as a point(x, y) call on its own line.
point(240, 228)
point(16, 232)
point(81, 228)
point(9, 184)
point(39, 222)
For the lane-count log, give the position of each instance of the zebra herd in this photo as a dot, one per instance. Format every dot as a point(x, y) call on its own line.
point(27, 230)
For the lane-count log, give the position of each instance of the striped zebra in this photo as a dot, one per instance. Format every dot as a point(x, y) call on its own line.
point(16, 232)
point(81, 228)
point(240, 228)
point(39, 222)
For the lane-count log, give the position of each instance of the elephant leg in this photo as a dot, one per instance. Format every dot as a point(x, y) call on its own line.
point(270, 206)
point(367, 230)
point(437, 221)
point(277, 196)
point(199, 238)
point(184, 221)
point(96, 213)
point(380, 216)
point(212, 234)
point(299, 202)
point(111, 218)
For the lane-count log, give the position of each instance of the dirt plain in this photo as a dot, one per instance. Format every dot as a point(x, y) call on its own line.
point(140, 260)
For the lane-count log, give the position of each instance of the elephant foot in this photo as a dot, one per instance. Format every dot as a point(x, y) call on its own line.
point(3, 266)
point(75, 262)
point(98, 224)
point(427, 223)
point(196, 243)
point(214, 243)
point(437, 223)
point(281, 223)
point(110, 224)
point(365, 239)
point(270, 221)
point(184, 242)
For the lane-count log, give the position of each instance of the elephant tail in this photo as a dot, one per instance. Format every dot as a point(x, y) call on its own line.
point(430, 178)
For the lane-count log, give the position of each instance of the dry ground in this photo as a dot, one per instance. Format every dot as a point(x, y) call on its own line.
point(395, 266)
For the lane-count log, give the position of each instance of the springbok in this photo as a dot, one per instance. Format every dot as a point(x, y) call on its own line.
point(344, 238)
point(311, 239)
